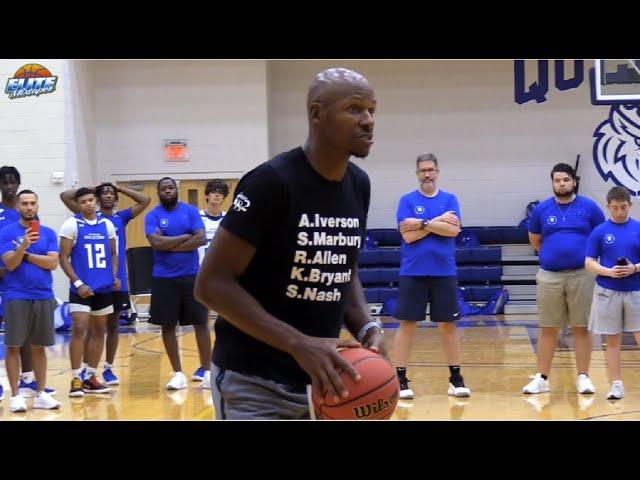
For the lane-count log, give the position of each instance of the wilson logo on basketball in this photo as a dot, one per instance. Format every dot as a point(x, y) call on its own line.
point(30, 80)
point(362, 412)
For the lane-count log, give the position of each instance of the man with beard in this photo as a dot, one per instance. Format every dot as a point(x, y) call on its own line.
point(558, 229)
point(107, 195)
point(175, 231)
point(279, 322)
point(428, 220)
point(30, 252)
point(9, 185)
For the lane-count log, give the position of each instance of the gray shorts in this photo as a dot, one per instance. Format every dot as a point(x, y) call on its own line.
point(30, 320)
point(564, 298)
point(614, 312)
point(237, 396)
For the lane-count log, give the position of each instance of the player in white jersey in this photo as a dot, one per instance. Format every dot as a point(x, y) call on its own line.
point(215, 192)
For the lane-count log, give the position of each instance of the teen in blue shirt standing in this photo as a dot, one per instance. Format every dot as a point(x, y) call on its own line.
point(107, 195)
point(613, 253)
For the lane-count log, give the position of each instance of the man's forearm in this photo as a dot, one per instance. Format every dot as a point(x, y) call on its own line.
point(356, 308)
point(160, 242)
point(227, 297)
point(189, 245)
point(443, 229)
point(43, 261)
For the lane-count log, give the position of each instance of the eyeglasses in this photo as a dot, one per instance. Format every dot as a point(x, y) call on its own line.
point(427, 170)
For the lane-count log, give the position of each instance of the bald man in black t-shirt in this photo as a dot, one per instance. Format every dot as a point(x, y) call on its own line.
point(282, 269)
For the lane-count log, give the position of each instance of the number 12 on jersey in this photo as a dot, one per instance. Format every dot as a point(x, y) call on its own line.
point(96, 251)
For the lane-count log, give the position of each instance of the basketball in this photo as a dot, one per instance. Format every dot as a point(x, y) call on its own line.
point(31, 70)
point(374, 397)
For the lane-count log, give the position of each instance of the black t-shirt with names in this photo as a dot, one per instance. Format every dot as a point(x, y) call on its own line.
point(307, 231)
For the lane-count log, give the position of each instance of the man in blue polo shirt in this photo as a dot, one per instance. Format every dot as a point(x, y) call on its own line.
point(30, 253)
point(429, 221)
point(175, 231)
point(558, 229)
point(613, 253)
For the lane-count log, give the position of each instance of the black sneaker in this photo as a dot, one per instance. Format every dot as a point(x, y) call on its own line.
point(405, 391)
point(92, 385)
point(457, 387)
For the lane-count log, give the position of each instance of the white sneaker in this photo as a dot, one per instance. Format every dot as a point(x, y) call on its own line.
point(46, 402)
point(458, 391)
point(206, 381)
point(537, 385)
point(177, 382)
point(617, 390)
point(585, 385)
point(405, 391)
point(17, 404)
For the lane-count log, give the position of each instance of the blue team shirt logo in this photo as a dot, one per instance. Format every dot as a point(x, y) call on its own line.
point(419, 209)
point(609, 238)
point(552, 220)
point(164, 223)
point(20, 239)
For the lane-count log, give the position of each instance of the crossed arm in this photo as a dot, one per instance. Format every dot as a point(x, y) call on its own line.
point(446, 225)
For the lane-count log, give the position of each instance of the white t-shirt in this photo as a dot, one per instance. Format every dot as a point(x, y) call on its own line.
point(69, 228)
point(211, 225)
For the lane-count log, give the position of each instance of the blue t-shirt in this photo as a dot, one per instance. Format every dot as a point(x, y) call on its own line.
point(171, 223)
point(7, 217)
point(433, 255)
point(120, 220)
point(28, 281)
point(564, 229)
point(612, 240)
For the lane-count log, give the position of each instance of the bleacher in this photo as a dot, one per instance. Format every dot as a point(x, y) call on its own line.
point(501, 258)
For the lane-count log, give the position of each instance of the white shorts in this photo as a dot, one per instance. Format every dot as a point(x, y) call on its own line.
point(614, 312)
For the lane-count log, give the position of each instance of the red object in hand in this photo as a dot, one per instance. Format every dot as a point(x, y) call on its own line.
point(34, 225)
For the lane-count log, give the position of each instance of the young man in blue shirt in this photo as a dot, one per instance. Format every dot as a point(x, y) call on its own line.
point(29, 252)
point(558, 229)
point(175, 232)
point(107, 196)
point(429, 221)
point(613, 253)
point(89, 257)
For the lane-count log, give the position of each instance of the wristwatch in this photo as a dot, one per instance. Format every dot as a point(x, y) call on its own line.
point(25, 256)
point(424, 224)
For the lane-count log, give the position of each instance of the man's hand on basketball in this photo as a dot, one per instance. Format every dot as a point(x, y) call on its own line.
point(319, 357)
point(409, 224)
point(374, 341)
point(84, 291)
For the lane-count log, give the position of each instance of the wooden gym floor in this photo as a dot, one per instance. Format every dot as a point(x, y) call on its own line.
point(498, 357)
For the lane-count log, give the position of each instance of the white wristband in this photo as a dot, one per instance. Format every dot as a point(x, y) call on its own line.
point(78, 283)
point(363, 331)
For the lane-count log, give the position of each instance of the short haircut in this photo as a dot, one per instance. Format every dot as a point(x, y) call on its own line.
point(26, 192)
point(618, 193)
point(166, 178)
point(81, 192)
point(426, 157)
point(216, 185)
point(100, 189)
point(7, 170)
point(563, 168)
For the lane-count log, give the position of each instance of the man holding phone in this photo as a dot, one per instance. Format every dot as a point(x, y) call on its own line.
point(30, 253)
point(613, 253)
